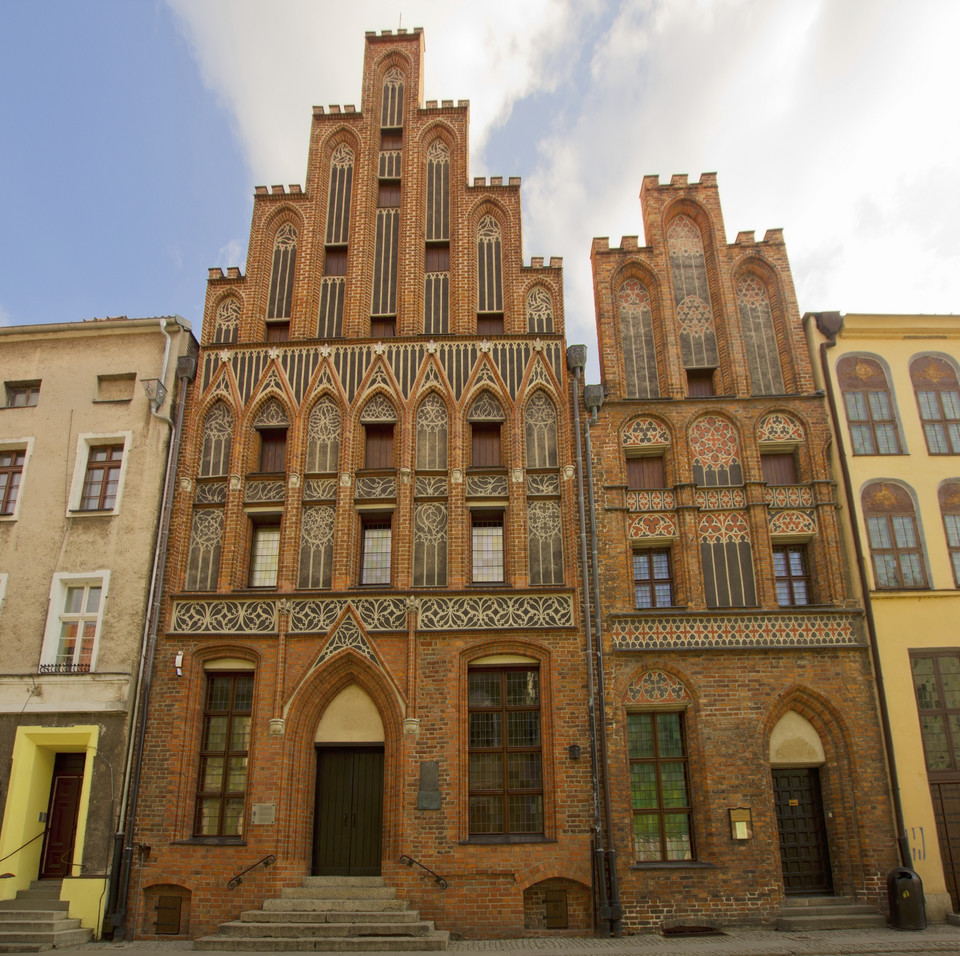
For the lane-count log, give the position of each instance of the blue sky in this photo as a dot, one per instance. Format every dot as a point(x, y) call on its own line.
point(132, 134)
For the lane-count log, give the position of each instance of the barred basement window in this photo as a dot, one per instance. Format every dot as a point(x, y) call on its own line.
point(505, 789)
point(938, 398)
point(759, 337)
point(225, 740)
point(659, 792)
point(217, 435)
point(280, 297)
point(870, 410)
point(640, 375)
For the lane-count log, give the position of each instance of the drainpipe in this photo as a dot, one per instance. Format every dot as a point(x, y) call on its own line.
point(123, 848)
point(593, 399)
point(576, 359)
point(903, 844)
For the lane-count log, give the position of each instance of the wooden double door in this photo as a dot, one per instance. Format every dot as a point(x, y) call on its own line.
point(348, 817)
point(803, 834)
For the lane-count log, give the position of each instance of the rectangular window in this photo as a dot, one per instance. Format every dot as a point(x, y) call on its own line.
point(700, 383)
point(102, 478)
point(335, 261)
point(438, 258)
point(646, 473)
point(22, 394)
point(264, 553)
point(488, 324)
point(378, 446)
point(940, 413)
point(225, 741)
point(376, 550)
point(11, 474)
point(383, 327)
point(388, 195)
point(273, 450)
point(73, 624)
point(652, 580)
point(659, 791)
point(278, 331)
point(873, 429)
point(792, 577)
point(896, 553)
point(485, 445)
point(504, 743)
point(936, 682)
point(779, 469)
point(488, 565)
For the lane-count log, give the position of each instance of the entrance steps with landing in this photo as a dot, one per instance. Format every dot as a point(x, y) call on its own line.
point(827, 912)
point(36, 920)
point(329, 914)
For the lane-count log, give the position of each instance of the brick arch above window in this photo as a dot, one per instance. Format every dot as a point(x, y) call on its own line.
point(645, 432)
point(780, 428)
point(379, 408)
point(485, 408)
point(657, 687)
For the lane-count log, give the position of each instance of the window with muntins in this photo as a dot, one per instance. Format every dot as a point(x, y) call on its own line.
point(203, 560)
point(487, 550)
point(949, 495)
point(12, 462)
point(22, 394)
point(640, 375)
point(938, 399)
point(652, 578)
point(870, 410)
point(659, 788)
point(79, 623)
point(936, 682)
point(102, 478)
point(377, 547)
point(691, 291)
point(217, 435)
point(489, 276)
point(280, 296)
point(432, 434)
point(759, 337)
point(323, 437)
point(224, 746)
point(504, 752)
point(895, 546)
point(265, 552)
point(792, 575)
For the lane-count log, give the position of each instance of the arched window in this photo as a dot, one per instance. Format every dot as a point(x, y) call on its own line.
point(688, 267)
point(489, 278)
point(896, 548)
point(333, 284)
point(949, 496)
point(716, 452)
point(870, 409)
point(539, 310)
point(485, 418)
point(323, 437)
point(436, 289)
point(636, 331)
point(938, 398)
point(206, 538)
point(316, 547)
point(280, 296)
point(227, 323)
point(217, 435)
point(391, 113)
point(759, 337)
point(438, 192)
point(540, 421)
point(338, 201)
point(432, 434)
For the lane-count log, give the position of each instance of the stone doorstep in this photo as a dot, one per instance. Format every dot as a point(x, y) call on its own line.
point(19, 903)
point(330, 944)
point(339, 893)
point(31, 925)
point(294, 929)
point(329, 916)
point(343, 906)
point(827, 913)
point(71, 937)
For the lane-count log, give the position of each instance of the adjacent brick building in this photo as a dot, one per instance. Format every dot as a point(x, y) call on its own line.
point(370, 642)
point(745, 757)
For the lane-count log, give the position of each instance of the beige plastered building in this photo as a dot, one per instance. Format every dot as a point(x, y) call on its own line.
point(893, 383)
point(84, 438)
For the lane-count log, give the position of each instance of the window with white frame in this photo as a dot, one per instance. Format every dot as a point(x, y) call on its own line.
point(14, 457)
point(74, 622)
point(98, 474)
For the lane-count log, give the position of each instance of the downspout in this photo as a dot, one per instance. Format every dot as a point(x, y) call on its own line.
point(593, 399)
point(576, 359)
point(120, 871)
point(902, 842)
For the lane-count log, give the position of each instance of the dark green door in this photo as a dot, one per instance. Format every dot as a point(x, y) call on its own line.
point(348, 818)
point(803, 834)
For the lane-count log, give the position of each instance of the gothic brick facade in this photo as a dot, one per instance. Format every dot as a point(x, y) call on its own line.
point(371, 570)
point(745, 756)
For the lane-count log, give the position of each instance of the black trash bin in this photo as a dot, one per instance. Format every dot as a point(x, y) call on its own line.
point(905, 894)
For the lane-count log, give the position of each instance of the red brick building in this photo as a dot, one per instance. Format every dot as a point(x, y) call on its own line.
point(370, 644)
point(745, 757)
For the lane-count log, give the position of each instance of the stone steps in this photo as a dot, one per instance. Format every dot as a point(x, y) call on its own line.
point(329, 914)
point(827, 913)
point(37, 920)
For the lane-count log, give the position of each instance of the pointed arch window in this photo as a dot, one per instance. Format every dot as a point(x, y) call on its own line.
point(896, 549)
point(639, 349)
point(691, 291)
point(206, 538)
point(227, 325)
point(391, 112)
point(716, 453)
point(938, 398)
point(339, 197)
point(217, 437)
point(949, 496)
point(316, 547)
point(436, 290)
point(432, 434)
point(280, 296)
point(323, 437)
point(870, 409)
point(539, 311)
point(333, 284)
point(540, 424)
point(759, 337)
point(485, 417)
point(489, 278)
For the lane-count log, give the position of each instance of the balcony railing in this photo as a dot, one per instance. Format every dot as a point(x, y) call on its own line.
point(64, 669)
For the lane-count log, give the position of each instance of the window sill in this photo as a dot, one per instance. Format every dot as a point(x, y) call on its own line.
point(501, 839)
point(91, 512)
point(112, 401)
point(210, 841)
point(674, 865)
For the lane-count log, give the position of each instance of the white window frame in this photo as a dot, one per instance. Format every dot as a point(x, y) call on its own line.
point(58, 594)
point(10, 444)
point(85, 442)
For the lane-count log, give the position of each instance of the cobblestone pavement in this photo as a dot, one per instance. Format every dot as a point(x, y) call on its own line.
point(734, 942)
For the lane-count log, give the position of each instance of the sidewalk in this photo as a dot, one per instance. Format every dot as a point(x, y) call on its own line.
point(734, 942)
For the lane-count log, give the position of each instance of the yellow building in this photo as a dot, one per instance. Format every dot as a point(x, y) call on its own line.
point(893, 383)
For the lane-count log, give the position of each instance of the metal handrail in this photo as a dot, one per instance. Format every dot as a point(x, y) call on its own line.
point(19, 848)
point(235, 881)
point(407, 860)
